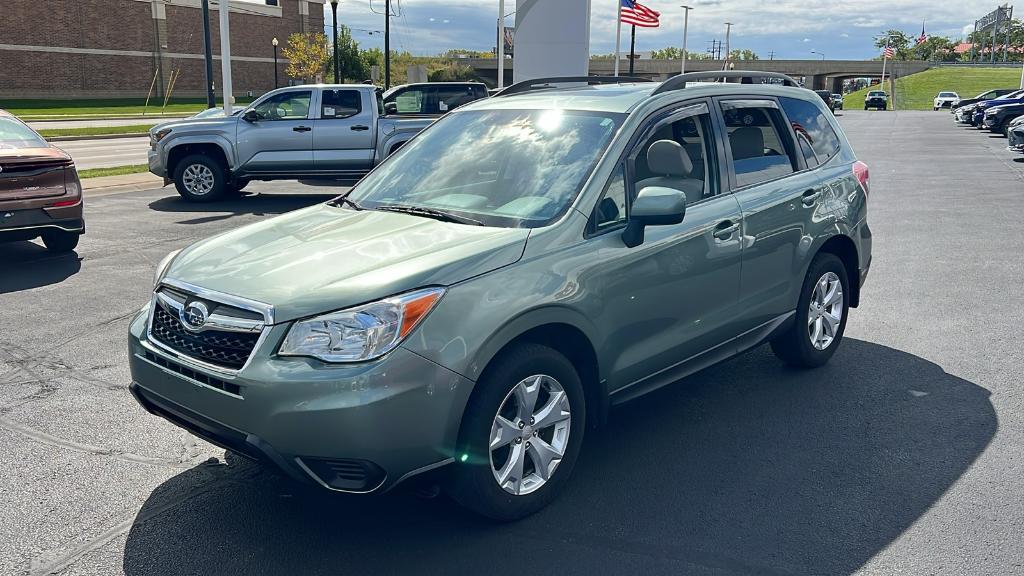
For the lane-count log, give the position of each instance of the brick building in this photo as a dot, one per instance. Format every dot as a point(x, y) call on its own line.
point(116, 48)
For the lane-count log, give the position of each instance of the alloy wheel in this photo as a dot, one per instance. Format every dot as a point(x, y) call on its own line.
point(825, 312)
point(530, 434)
point(198, 179)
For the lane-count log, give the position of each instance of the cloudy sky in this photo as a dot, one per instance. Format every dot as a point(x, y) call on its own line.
point(790, 28)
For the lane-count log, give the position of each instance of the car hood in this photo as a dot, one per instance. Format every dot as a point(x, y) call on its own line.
point(184, 124)
point(326, 258)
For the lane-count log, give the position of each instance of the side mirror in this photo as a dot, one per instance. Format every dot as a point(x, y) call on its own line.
point(654, 206)
point(250, 115)
point(390, 108)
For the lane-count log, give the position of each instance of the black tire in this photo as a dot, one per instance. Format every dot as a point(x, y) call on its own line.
point(865, 107)
point(473, 484)
point(60, 241)
point(794, 346)
point(217, 189)
point(236, 186)
point(1004, 127)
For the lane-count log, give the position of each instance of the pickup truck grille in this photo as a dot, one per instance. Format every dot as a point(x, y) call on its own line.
point(226, 342)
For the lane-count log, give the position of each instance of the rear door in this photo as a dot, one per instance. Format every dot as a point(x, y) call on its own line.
point(779, 166)
point(343, 134)
point(280, 140)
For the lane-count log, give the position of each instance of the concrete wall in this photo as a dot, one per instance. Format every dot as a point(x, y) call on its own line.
point(115, 48)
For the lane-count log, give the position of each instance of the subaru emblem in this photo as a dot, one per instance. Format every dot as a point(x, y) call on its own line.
point(194, 316)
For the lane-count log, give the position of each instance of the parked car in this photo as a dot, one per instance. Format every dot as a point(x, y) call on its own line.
point(431, 98)
point(40, 193)
point(315, 131)
point(837, 101)
point(479, 300)
point(979, 108)
point(826, 97)
point(997, 118)
point(876, 99)
point(987, 95)
point(1015, 134)
point(945, 100)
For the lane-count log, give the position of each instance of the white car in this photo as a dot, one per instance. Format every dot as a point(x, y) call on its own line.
point(945, 100)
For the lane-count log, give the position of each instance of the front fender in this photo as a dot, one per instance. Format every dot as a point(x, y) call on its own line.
point(218, 140)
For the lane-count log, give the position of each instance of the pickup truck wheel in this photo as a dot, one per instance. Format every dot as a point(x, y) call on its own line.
point(199, 178)
point(820, 315)
point(521, 433)
point(237, 186)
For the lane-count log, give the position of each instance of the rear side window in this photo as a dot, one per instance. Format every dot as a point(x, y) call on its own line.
point(757, 141)
point(451, 97)
point(341, 103)
point(14, 134)
point(814, 134)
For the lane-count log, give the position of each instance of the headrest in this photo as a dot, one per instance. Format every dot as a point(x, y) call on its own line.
point(668, 158)
point(747, 142)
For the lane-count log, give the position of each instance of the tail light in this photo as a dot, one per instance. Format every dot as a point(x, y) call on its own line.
point(860, 172)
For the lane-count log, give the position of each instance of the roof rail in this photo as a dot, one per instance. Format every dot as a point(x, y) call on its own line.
point(678, 82)
point(544, 83)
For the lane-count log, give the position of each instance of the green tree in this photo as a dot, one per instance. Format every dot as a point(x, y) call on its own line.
point(676, 53)
point(898, 40)
point(934, 49)
point(743, 54)
point(306, 53)
point(352, 65)
point(463, 53)
point(453, 72)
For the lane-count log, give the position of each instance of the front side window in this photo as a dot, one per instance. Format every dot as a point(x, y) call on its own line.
point(341, 104)
point(759, 152)
point(407, 101)
point(611, 210)
point(676, 155)
point(285, 106)
point(508, 168)
point(812, 130)
point(15, 135)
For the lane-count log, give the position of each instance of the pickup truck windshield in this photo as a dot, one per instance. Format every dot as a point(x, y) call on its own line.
point(506, 168)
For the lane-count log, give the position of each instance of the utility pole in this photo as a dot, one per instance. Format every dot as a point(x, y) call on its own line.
point(210, 99)
point(387, 44)
point(686, 25)
point(334, 41)
point(771, 55)
point(225, 54)
point(728, 29)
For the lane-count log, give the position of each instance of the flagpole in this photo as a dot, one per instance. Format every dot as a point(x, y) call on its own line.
point(885, 58)
point(618, 33)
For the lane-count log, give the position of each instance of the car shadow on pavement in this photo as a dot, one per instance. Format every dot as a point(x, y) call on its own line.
point(748, 467)
point(260, 204)
point(26, 265)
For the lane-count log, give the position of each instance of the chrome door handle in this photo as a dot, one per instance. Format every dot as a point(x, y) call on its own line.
point(725, 229)
point(302, 129)
point(810, 197)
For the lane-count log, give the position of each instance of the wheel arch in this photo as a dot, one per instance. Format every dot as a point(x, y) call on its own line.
point(844, 248)
point(185, 148)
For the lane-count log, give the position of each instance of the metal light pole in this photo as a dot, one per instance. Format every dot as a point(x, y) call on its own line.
point(686, 25)
point(211, 101)
point(500, 48)
point(387, 44)
point(728, 29)
point(225, 54)
point(334, 21)
point(822, 54)
point(274, 42)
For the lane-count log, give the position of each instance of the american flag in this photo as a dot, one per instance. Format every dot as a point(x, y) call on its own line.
point(635, 13)
point(923, 37)
point(889, 52)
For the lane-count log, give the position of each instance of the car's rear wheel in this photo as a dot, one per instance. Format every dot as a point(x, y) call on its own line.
point(820, 315)
point(199, 178)
point(521, 434)
point(60, 240)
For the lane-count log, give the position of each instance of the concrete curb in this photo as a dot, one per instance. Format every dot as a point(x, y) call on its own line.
point(106, 185)
point(158, 119)
point(95, 137)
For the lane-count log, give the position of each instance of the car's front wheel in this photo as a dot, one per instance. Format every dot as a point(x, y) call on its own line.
point(199, 178)
point(521, 434)
point(820, 315)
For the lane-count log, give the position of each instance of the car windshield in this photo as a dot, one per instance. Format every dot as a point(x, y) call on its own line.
point(14, 135)
point(874, 94)
point(506, 168)
point(947, 95)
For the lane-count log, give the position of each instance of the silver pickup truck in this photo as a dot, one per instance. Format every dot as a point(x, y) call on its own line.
point(315, 131)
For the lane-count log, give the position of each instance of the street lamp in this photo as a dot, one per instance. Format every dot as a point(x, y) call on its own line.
point(822, 54)
point(686, 25)
point(334, 20)
point(274, 42)
point(728, 29)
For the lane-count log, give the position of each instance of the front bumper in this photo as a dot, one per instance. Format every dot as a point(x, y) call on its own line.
point(156, 163)
point(394, 417)
point(1016, 140)
point(990, 121)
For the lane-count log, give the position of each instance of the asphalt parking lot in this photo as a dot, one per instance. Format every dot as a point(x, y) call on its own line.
point(905, 455)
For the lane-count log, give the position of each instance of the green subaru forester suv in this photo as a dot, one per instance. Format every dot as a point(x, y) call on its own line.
point(480, 299)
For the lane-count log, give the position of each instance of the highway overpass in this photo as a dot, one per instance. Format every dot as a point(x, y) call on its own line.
point(817, 74)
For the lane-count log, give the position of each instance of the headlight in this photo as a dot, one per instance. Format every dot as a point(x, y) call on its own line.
point(162, 267)
point(362, 333)
point(161, 134)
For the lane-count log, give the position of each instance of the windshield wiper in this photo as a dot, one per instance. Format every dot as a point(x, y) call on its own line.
point(343, 199)
point(430, 213)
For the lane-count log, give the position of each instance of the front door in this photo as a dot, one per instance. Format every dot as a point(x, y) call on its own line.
point(674, 296)
point(280, 138)
point(343, 134)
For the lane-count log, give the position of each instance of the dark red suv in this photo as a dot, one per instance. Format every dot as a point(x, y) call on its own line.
point(40, 194)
